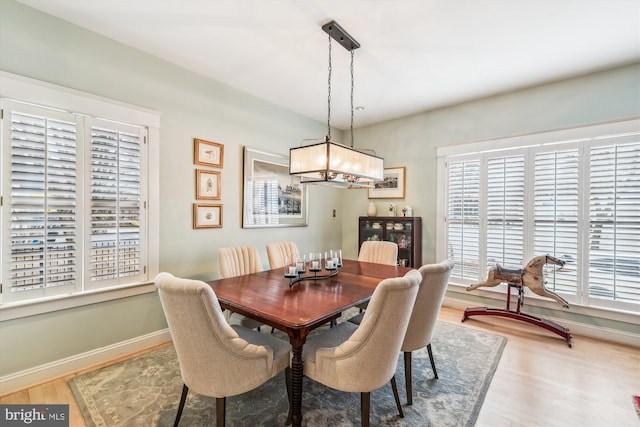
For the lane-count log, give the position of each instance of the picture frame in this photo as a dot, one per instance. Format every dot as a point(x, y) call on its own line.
point(270, 196)
point(207, 184)
point(208, 153)
point(207, 215)
point(393, 186)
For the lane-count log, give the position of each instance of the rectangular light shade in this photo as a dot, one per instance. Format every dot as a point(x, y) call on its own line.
point(332, 163)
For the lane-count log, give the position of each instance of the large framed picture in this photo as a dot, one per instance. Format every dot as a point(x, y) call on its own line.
point(393, 185)
point(271, 197)
point(207, 153)
point(207, 215)
point(207, 185)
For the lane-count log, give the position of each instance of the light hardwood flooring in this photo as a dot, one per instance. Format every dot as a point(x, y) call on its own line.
point(540, 381)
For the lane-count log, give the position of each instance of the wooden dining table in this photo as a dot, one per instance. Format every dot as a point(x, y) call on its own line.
point(298, 309)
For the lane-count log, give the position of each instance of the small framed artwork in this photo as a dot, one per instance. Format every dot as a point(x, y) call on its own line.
point(208, 153)
point(207, 215)
point(207, 185)
point(393, 185)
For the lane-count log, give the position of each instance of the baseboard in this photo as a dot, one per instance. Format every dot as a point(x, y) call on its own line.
point(598, 332)
point(28, 377)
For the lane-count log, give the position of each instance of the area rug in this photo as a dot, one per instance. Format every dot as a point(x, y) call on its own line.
point(145, 391)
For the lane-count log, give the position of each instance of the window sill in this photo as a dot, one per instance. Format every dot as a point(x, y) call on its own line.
point(63, 302)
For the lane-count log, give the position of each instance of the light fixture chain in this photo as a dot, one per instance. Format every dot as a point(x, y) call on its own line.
point(329, 94)
point(352, 98)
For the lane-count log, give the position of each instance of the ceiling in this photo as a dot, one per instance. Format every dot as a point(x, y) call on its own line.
point(415, 55)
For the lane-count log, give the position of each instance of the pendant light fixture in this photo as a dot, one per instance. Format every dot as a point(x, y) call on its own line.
point(328, 162)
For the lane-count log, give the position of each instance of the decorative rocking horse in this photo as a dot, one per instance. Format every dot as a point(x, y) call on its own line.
point(530, 276)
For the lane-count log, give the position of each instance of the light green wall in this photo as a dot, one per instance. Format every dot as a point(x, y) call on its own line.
point(39, 46)
point(412, 142)
point(42, 47)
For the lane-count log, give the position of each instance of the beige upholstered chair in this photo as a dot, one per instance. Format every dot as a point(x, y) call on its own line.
point(380, 252)
point(216, 359)
point(278, 252)
point(435, 278)
point(363, 358)
point(237, 261)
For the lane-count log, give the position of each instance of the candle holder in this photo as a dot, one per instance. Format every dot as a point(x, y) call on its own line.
point(295, 270)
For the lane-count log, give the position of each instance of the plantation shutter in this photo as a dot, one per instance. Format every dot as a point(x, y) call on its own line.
point(556, 213)
point(44, 249)
point(614, 221)
point(117, 227)
point(463, 217)
point(505, 211)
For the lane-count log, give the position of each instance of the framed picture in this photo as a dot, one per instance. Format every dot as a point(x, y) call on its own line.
point(207, 215)
point(271, 197)
point(207, 153)
point(393, 185)
point(207, 185)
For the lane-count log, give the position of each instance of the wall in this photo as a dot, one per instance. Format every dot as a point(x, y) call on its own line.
point(412, 142)
point(39, 46)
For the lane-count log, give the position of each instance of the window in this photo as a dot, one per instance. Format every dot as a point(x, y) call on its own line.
point(74, 196)
point(573, 194)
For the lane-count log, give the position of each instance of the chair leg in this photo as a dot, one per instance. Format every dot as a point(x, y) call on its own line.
point(407, 377)
point(365, 404)
point(433, 363)
point(183, 399)
point(394, 387)
point(221, 410)
point(287, 375)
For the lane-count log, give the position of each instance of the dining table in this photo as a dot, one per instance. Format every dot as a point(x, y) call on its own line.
point(298, 308)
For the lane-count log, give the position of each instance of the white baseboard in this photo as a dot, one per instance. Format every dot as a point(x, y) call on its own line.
point(28, 377)
point(607, 334)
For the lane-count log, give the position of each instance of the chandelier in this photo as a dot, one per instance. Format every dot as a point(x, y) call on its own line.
point(329, 162)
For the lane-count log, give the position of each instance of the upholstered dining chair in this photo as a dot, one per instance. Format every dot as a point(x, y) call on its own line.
point(237, 261)
point(216, 359)
point(380, 252)
point(278, 252)
point(435, 278)
point(363, 358)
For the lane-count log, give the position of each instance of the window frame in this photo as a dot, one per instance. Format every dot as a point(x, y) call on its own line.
point(534, 143)
point(30, 91)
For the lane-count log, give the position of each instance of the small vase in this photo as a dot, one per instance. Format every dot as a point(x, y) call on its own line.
point(371, 209)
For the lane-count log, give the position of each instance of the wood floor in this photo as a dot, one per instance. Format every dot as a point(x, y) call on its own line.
point(540, 381)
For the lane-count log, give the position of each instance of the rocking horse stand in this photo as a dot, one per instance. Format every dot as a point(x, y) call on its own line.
point(514, 278)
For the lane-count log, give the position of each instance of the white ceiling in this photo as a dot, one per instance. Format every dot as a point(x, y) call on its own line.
point(416, 54)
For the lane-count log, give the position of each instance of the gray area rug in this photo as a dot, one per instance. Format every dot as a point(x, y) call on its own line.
point(145, 391)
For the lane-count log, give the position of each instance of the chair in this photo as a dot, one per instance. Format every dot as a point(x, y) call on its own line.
point(380, 252)
point(435, 278)
point(278, 252)
point(216, 359)
point(363, 358)
point(237, 261)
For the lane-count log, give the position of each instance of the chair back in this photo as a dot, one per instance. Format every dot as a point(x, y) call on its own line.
point(368, 358)
point(380, 252)
point(238, 261)
point(278, 252)
point(433, 286)
point(214, 360)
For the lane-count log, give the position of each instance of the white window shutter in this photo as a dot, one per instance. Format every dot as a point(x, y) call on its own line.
point(44, 245)
point(117, 221)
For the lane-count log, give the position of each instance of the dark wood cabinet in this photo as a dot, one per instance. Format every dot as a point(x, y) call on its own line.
point(406, 232)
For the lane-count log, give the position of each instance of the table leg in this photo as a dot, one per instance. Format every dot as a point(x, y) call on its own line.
point(296, 385)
